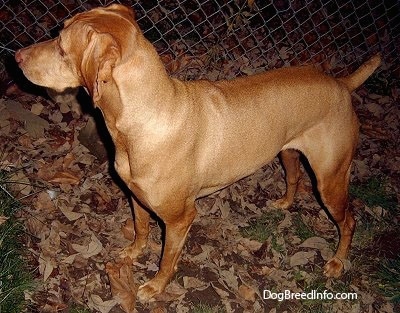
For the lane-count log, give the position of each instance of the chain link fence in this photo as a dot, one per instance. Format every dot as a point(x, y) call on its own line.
point(226, 38)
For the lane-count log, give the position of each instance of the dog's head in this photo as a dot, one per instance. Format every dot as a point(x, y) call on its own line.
point(90, 45)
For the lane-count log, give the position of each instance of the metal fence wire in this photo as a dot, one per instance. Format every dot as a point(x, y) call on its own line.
point(226, 38)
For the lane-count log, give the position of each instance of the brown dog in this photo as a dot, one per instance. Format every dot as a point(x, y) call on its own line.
point(177, 141)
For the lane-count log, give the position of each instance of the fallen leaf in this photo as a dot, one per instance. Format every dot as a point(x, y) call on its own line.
point(361, 169)
point(375, 108)
point(70, 259)
point(46, 266)
point(301, 258)
point(193, 282)
point(375, 132)
point(314, 242)
point(247, 293)
point(123, 287)
point(25, 141)
point(52, 193)
point(225, 209)
point(222, 293)
point(21, 183)
point(286, 223)
point(252, 245)
point(56, 117)
point(152, 266)
point(69, 160)
point(44, 201)
point(54, 304)
point(69, 214)
point(318, 243)
point(172, 292)
point(223, 206)
point(37, 108)
point(93, 248)
point(204, 255)
point(34, 124)
point(326, 253)
point(95, 302)
point(346, 264)
point(65, 177)
point(250, 3)
point(50, 247)
point(229, 279)
point(64, 108)
point(35, 225)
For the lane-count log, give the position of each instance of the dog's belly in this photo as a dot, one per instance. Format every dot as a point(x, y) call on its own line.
point(220, 170)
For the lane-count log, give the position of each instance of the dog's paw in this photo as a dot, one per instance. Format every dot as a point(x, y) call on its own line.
point(132, 252)
point(335, 267)
point(148, 290)
point(282, 203)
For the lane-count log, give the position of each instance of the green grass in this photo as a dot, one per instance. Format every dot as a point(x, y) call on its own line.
point(276, 246)
point(15, 277)
point(367, 229)
point(206, 308)
point(302, 230)
point(385, 272)
point(309, 305)
point(263, 227)
point(375, 191)
point(388, 274)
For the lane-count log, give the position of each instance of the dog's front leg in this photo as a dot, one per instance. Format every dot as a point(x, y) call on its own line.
point(177, 225)
point(142, 219)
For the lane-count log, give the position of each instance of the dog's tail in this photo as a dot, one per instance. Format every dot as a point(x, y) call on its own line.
point(354, 80)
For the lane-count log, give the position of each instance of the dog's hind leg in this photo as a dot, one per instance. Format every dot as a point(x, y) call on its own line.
point(291, 162)
point(332, 170)
point(335, 197)
point(334, 194)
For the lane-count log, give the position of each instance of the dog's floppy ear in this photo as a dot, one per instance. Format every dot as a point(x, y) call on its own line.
point(98, 61)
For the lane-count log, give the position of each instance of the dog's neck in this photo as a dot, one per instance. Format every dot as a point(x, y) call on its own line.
point(141, 89)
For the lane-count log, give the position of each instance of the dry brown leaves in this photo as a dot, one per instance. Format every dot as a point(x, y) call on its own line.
point(123, 286)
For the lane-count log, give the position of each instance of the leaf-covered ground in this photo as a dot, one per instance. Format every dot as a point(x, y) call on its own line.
point(78, 218)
